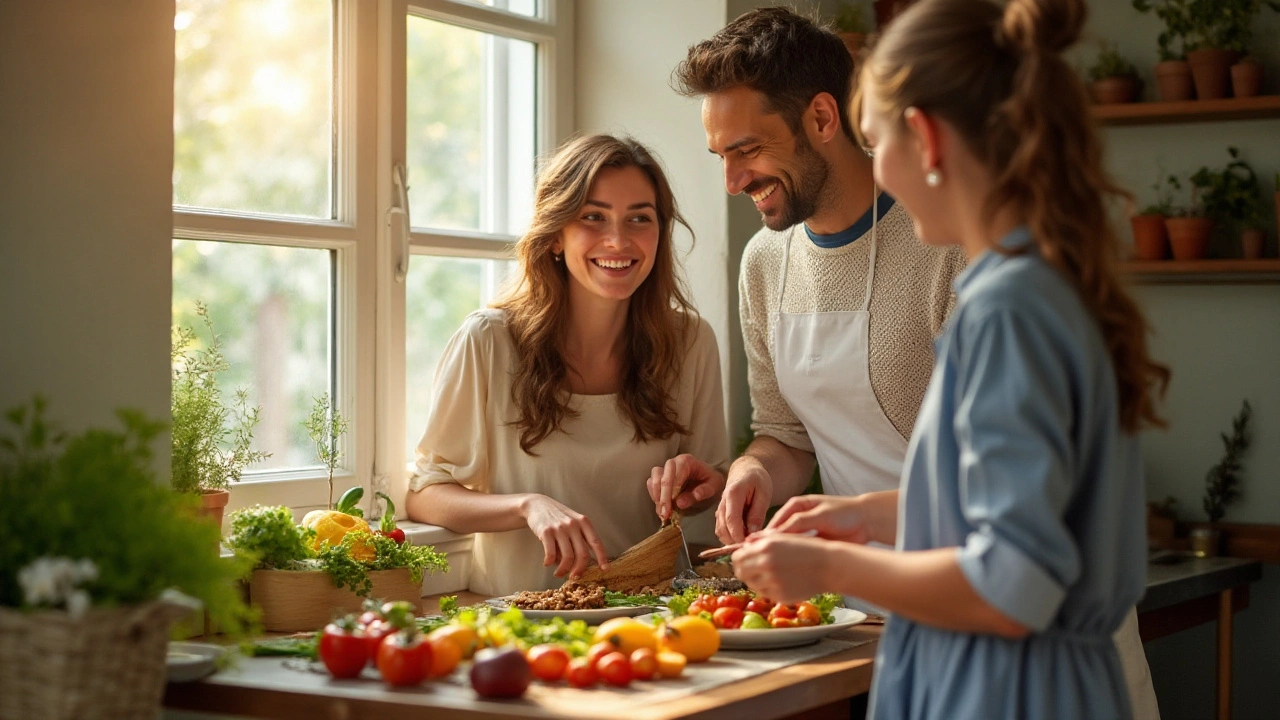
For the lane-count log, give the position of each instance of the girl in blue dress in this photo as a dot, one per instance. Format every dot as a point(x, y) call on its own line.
point(1019, 522)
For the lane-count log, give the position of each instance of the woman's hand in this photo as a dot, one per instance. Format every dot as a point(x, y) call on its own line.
point(681, 483)
point(568, 538)
point(788, 568)
point(833, 518)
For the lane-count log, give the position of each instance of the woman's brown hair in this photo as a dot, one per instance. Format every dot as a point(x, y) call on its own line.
point(659, 315)
point(998, 76)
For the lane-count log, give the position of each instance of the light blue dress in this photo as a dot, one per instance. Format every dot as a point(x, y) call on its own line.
point(1018, 461)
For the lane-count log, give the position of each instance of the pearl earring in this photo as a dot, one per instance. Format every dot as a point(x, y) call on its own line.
point(933, 178)
point(558, 258)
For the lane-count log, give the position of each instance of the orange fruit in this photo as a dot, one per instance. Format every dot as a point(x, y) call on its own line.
point(626, 634)
point(670, 664)
point(464, 637)
point(695, 638)
point(445, 656)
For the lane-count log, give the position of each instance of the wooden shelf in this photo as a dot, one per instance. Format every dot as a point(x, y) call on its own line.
point(1191, 111)
point(1205, 271)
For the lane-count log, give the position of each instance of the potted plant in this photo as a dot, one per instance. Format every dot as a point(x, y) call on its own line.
point(325, 426)
point(1150, 233)
point(1222, 483)
point(1246, 77)
point(212, 441)
point(1114, 79)
point(97, 560)
point(1233, 198)
point(1173, 72)
point(1220, 35)
point(1189, 229)
point(853, 26)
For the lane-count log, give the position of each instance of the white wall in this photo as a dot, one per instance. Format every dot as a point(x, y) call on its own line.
point(86, 159)
point(1223, 344)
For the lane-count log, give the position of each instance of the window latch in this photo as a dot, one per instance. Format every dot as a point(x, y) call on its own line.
point(400, 209)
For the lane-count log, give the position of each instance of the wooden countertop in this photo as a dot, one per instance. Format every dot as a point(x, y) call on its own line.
point(268, 688)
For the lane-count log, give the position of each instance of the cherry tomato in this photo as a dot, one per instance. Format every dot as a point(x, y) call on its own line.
point(581, 673)
point(548, 661)
point(731, 601)
point(760, 606)
point(395, 534)
point(782, 622)
point(343, 648)
point(697, 607)
point(404, 658)
point(782, 611)
point(727, 618)
point(644, 663)
point(808, 614)
point(374, 633)
point(615, 669)
point(599, 650)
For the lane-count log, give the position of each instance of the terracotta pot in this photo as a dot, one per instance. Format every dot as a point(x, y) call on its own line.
point(1246, 79)
point(1150, 237)
point(1251, 242)
point(1174, 79)
point(1189, 237)
point(213, 502)
point(1211, 70)
point(854, 42)
point(1112, 90)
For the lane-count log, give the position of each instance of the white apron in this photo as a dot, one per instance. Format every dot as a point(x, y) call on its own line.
point(822, 368)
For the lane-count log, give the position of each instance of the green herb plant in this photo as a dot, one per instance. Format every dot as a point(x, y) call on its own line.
point(1222, 483)
point(1232, 195)
point(1163, 188)
point(269, 536)
point(212, 442)
point(326, 426)
point(852, 18)
point(1176, 16)
point(1224, 24)
point(1110, 64)
point(94, 495)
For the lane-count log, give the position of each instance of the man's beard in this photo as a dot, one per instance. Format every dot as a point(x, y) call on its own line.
point(800, 201)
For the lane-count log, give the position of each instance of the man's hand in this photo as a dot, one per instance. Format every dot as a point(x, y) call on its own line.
point(568, 538)
point(746, 498)
point(788, 568)
point(682, 482)
point(833, 518)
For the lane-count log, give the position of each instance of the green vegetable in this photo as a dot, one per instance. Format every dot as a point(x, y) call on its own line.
point(449, 605)
point(269, 536)
point(680, 602)
point(350, 501)
point(617, 599)
point(754, 621)
point(283, 647)
point(825, 603)
point(352, 574)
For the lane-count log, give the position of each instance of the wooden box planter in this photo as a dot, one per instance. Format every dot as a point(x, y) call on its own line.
point(304, 600)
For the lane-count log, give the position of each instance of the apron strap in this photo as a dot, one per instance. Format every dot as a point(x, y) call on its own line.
point(871, 264)
point(786, 263)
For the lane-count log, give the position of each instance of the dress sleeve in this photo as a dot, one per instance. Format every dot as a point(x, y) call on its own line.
point(1014, 407)
point(453, 447)
point(770, 413)
point(708, 438)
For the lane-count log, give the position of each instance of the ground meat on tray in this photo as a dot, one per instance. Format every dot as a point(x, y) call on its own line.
point(570, 596)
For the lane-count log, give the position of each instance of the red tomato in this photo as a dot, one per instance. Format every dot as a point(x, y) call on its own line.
point(644, 663)
point(343, 649)
point(548, 661)
point(403, 659)
point(731, 601)
point(697, 607)
point(760, 606)
point(581, 673)
point(374, 632)
point(727, 618)
point(782, 622)
point(808, 614)
point(599, 650)
point(615, 669)
point(783, 611)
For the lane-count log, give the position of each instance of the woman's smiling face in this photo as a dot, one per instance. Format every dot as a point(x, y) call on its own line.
point(610, 246)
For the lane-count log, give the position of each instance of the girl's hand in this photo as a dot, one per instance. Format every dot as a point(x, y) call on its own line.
point(568, 538)
point(787, 568)
point(833, 518)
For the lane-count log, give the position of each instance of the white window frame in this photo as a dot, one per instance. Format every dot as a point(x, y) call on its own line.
point(552, 33)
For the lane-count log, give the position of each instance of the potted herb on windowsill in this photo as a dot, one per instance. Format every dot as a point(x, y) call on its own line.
point(212, 442)
point(1113, 79)
point(97, 560)
point(1222, 483)
point(1173, 72)
point(1233, 198)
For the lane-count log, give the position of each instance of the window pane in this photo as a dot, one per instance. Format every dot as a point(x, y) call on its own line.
point(528, 8)
point(271, 306)
point(253, 106)
point(470, 128)
point(439, 292)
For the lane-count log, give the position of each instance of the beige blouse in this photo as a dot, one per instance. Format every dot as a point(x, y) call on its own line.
point(593, 466)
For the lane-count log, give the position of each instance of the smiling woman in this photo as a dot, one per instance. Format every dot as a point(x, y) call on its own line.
point(551, 409)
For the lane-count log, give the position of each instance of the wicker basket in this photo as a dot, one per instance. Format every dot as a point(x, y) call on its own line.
point(106, 664)
point(304, 600)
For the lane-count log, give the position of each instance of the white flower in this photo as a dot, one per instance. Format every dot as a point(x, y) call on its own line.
point(53, 581)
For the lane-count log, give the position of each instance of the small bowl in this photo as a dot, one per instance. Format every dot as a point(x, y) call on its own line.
point(191, 661)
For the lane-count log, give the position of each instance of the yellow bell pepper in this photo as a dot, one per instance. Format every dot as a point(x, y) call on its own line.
point(332, 526)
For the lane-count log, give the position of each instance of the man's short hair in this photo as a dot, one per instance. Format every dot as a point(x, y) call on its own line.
point(775, 51)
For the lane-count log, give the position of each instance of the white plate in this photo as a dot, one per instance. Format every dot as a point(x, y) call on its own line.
point(191, 661)
point(774, 638)
point(591, 617)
